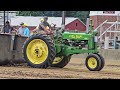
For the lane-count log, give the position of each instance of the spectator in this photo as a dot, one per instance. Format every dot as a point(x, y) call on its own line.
point(8, 28)
point(26, 30)
point(21, 29)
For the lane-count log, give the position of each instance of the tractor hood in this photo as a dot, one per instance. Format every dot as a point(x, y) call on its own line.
point(76, 36)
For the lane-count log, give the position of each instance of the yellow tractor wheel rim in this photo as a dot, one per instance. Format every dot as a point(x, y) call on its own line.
point(92, 62)
point(37, 51)
point(57, 60)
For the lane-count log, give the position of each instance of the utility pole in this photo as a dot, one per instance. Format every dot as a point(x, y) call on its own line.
point(63, 20)
point(4, 20)
point(7, 15)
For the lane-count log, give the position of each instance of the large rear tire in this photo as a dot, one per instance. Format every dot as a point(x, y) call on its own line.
point(39, 51)
point(61, 62)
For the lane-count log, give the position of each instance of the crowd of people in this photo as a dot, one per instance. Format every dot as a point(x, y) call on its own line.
point(23, 30)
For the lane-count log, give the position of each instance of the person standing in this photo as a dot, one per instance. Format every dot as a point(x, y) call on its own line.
point(26, 30)
point(8, 28)
point(21, 29)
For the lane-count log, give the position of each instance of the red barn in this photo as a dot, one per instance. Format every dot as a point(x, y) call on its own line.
point(76, 25)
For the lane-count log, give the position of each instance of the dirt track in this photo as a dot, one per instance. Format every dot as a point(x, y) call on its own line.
point(74, 70)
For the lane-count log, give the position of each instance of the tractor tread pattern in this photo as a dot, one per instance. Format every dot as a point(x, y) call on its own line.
point(51, 50)
point(102, 62)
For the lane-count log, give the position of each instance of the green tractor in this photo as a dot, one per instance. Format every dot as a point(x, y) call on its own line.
point(40, 51)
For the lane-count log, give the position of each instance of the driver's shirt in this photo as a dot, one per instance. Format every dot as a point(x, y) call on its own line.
point(45, 24)
point(39, 28)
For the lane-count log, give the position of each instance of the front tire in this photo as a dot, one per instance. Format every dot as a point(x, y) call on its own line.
point(93, 62)
point(102, 62)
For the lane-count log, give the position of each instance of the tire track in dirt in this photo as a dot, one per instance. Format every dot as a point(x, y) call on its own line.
point(71, 71)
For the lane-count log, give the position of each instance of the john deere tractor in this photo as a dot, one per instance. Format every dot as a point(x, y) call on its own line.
point(40, 51)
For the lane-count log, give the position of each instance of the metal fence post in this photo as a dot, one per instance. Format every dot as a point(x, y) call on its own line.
point(101, 37)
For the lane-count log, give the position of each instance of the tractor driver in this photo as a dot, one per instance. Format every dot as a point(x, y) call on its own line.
point(43, 27)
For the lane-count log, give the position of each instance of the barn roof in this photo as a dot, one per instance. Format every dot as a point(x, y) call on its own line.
point(34, 21)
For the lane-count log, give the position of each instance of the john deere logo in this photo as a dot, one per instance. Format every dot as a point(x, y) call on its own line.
point(74, 36)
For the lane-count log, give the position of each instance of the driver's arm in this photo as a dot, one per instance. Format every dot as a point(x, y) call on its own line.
point(36, 28)
point(50, 26)
point(44, 27)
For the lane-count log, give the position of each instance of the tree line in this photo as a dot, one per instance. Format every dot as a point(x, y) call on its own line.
point(82, 15)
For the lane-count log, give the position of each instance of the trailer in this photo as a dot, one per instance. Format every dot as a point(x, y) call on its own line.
point(11, 48)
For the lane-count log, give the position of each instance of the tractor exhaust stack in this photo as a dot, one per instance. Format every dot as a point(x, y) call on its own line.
point(87, 25)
